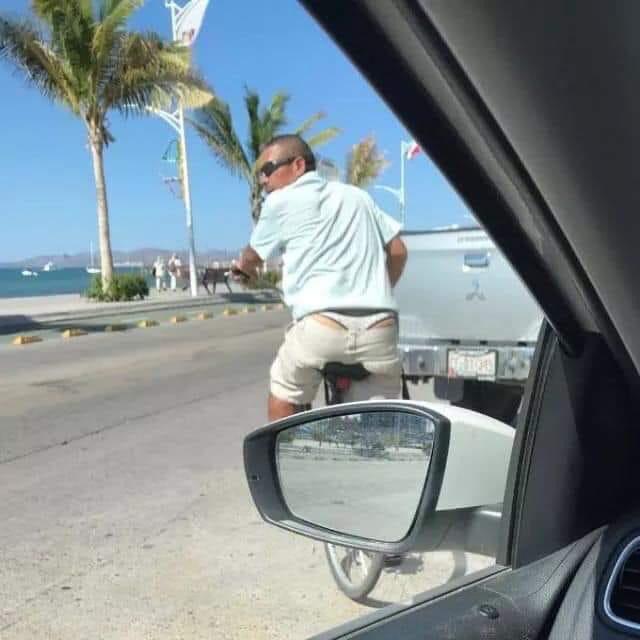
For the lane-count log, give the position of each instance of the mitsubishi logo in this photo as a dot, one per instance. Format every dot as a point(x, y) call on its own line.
point(476, 293)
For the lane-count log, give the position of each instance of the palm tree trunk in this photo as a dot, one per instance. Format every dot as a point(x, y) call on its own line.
point(106, 259)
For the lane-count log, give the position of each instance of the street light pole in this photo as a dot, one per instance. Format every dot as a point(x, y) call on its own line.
point(176, 121)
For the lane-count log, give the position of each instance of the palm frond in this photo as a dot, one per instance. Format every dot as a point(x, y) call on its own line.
point(26, 49)
point(256, 136)
point(117, 11)
point(146, 71)
point(45, 9)
point(364, 163)
point(71, 25)
point(308, 124)
point(214, 124)
point(266, 123)
point(323, 137)
point(113, 16)
point(274, 117)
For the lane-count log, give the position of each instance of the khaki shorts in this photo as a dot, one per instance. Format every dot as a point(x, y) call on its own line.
point(332, 337)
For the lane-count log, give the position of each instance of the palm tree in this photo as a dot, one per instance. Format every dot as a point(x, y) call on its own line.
point(364, 163)
point(215, 125)
point(78, 53)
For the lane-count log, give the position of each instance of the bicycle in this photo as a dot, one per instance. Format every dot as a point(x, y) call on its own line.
point(355, 571)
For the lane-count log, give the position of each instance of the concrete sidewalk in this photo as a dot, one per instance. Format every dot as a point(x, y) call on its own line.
point(31, 312)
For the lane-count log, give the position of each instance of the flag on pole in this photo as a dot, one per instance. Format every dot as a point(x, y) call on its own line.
point(412, 150)
point(189, 21)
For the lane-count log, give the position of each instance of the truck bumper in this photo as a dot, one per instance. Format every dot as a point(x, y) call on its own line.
point(512, 364)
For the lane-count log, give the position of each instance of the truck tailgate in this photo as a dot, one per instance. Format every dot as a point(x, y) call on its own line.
point(457, 287)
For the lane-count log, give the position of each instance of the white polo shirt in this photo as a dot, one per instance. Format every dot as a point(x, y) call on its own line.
point(332, 237)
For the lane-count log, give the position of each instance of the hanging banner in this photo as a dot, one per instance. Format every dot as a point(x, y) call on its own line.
point(189, 21)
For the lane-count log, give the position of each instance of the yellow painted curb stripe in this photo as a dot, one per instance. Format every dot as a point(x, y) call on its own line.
point(249, 310)
point(177, 319)
point(26, 339)
point(73, 333)
point(147, 323)
point(230, 312)
point(115, 327)
point(205, 315)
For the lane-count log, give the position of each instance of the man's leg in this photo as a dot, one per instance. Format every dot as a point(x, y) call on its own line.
point(205, 282)
point(294, 376)
point(278, 408)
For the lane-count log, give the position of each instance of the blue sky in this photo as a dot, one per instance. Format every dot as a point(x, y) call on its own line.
point(47, 193)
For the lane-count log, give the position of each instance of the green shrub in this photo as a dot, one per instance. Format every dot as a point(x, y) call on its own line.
point(123, 287)
point(268, 280)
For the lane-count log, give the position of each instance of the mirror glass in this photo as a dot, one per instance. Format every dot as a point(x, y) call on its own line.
point(360, 474)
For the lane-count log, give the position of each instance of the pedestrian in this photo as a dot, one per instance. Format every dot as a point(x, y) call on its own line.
point(342, 257)
point(160, 269)
point(174, 266)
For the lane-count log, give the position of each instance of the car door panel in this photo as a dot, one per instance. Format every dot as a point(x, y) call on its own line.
point(507, 604)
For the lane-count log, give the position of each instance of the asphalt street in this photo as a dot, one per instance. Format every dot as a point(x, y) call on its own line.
point(125, 511)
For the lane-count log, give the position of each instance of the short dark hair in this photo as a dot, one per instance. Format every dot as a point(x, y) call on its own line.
point(295, 146)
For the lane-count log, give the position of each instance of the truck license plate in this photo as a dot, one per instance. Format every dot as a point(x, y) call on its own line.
point(472, 364)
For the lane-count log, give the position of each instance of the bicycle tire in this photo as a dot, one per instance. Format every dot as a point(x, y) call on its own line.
point(357, 591)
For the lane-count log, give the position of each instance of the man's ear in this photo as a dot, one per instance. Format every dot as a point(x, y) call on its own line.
point(300, 165)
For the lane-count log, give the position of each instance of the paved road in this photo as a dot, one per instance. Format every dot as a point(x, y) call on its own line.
point(125, 513)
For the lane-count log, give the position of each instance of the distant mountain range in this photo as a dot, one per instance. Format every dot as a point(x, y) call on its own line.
point(147, 256)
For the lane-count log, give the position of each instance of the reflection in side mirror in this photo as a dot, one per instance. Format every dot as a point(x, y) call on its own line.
point(360, 474)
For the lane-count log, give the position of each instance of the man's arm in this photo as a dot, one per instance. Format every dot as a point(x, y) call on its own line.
point(396, 259)
point(249, 262)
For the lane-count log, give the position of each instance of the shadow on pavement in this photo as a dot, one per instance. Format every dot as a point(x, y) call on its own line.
point(25, 324)
point(11, 324)
point(411, 564)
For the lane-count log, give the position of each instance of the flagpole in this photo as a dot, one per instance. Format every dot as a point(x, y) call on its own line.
point(399, 193)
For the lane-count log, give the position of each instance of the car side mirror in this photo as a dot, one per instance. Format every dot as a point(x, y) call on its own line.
point(381, 475)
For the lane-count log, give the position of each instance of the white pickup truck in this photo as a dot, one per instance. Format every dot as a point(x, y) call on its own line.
point(466, 320)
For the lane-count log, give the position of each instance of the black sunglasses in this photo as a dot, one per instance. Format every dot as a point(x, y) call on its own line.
point(271, 167)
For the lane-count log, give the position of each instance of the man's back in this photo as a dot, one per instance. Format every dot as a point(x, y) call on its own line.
point(333, 237)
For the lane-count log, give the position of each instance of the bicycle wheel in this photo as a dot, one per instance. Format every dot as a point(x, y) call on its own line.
point(355, 571)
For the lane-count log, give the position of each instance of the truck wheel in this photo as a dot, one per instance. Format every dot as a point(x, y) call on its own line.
point(500, 401)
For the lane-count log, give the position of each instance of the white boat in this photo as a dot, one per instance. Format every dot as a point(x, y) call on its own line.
point(28, 273)
point(50, 266)
point(92, 268)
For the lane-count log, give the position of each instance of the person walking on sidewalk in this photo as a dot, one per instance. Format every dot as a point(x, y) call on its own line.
point(160, 270)
point(342, 258)
point(174, 266)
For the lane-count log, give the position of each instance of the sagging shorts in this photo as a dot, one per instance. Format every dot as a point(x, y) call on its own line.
point(347, 337)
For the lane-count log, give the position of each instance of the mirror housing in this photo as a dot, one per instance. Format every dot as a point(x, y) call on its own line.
point(460, 501)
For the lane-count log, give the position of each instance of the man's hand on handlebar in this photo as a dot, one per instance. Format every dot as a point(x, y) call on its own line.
point(237, 274)
point(245, 269)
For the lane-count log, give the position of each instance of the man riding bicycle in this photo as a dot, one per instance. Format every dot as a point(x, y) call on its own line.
point(341, 257)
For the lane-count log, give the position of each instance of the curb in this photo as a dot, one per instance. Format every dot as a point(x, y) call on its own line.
point(145, 324)
point(124, 309)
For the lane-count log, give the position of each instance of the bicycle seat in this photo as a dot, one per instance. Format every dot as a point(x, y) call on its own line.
point(341, 370)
